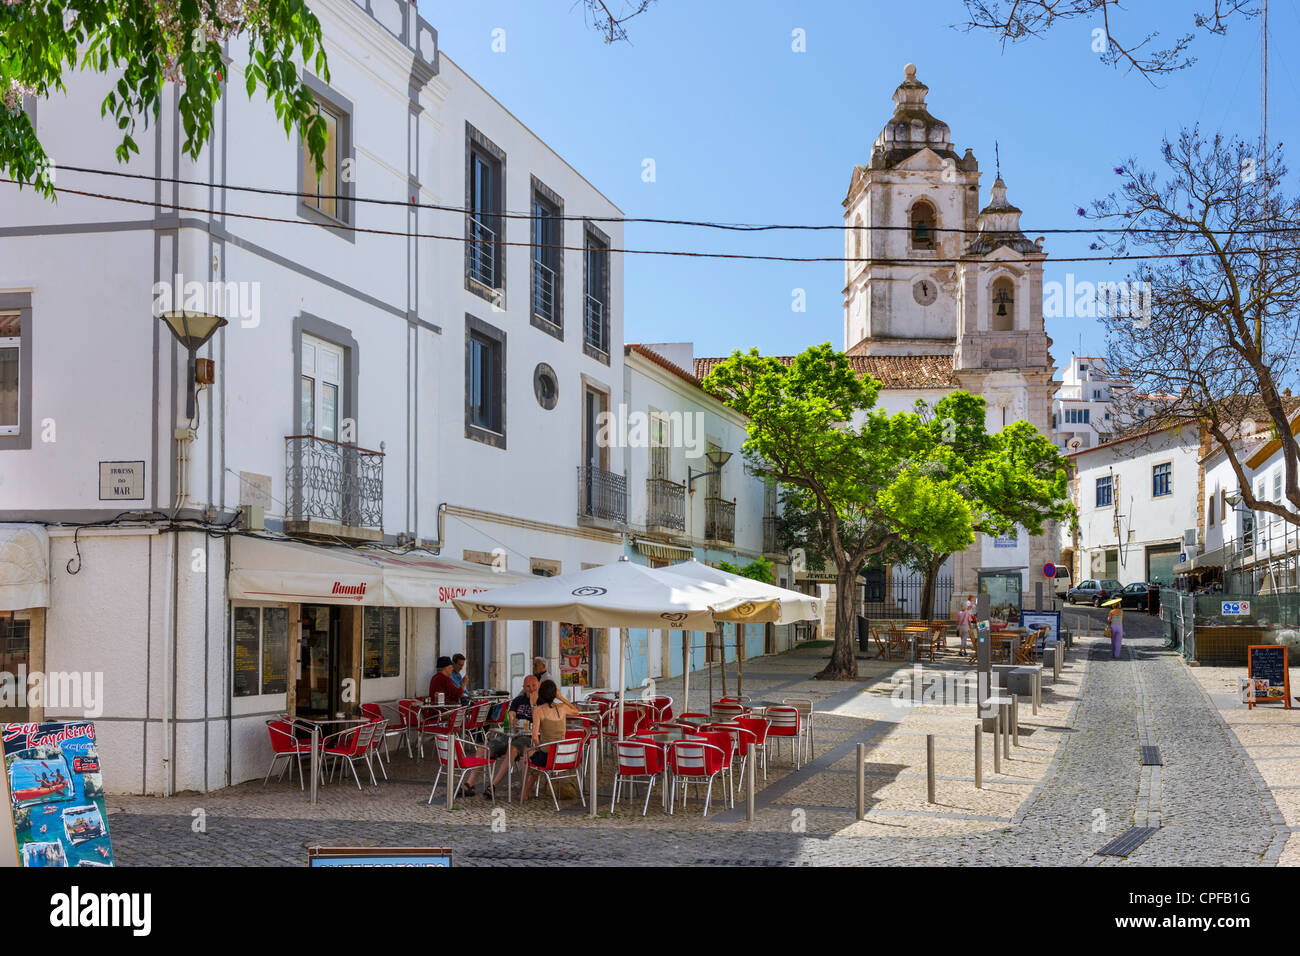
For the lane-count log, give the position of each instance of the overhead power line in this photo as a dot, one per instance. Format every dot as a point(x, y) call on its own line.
point(345, 227)
point(695, 223)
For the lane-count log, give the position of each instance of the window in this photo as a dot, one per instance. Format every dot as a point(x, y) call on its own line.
point(1105, 492)
point(660, 446)
point(1209, 514)
point(1078, 416)
point(485, 382)
point(923, 222)
point(327, 191)
point(260, 660)
point(1161, 475)
point(1083, 367)
point(485, 273)
point(1096, 394)
point(873, 585)
point(381, 642)
point(596, 294)
point(548, 260)
point(1004, 305)
point(321, 389)
point(10, 376)
point(541, 629)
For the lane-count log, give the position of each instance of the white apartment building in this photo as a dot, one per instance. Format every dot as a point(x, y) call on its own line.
point(1084, 413)
point(262, 556)
point(681, 506)
point(1137, 499)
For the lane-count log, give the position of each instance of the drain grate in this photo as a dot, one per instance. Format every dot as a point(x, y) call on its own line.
point(1151, 757)
point(1127, 842)
point(523, 855)
point(714, 861)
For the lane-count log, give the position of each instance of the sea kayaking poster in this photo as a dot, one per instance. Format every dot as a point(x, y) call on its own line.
point(56, 792)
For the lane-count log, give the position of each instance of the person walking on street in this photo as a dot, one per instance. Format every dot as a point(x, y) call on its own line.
point(1115, 624)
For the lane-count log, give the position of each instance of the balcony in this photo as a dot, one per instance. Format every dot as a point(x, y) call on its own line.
point(769, 535)
point(482, 253)
point(602, 496)
point(594, 327)
point(720, 522)
point(333, 489)
point(666, 508)
point(544, 292)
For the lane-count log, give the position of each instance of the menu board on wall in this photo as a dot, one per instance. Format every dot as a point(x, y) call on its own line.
point(56, 794)
point(246, 651)
point(275, 650)
point(392, 642)
point(382, 642)
point(575, 656)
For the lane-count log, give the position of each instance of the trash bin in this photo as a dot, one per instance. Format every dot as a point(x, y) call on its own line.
point(864, 634)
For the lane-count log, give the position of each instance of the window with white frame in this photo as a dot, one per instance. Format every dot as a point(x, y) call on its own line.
point(321, 389)
point(10, 386)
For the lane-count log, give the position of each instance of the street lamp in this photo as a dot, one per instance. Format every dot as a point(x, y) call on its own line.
point(715, 458)
point(192, 330)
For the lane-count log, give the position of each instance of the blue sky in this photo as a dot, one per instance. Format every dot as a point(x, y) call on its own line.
point(743, 129)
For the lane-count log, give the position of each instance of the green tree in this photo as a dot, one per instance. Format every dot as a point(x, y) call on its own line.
point(146, 45)
point(813, 426)
point(1012, 479)
point(760, 569)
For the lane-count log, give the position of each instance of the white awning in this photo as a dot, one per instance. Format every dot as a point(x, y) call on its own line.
point(24, 566)
point(262, 569)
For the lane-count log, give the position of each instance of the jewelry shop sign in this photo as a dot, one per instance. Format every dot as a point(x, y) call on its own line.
point(121, 481)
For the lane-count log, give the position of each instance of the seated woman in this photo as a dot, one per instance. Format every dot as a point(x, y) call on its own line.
point(549, 713)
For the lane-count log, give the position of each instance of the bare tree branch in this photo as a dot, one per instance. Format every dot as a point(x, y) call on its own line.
point(610, 22)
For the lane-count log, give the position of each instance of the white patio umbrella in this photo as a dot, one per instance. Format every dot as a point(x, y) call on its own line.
point(745, 601)
point(621, 595)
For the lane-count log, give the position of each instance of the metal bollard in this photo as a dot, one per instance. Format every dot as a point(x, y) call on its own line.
point(979, 755)
point(749, 785)
point(929, 768)
point(997, 741)
point(1006, 731)
point(1015, 720)
point(862, 781)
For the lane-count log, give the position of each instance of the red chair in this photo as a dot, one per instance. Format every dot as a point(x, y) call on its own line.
point(805, 707)
point(783, 724)
point(693, 762)
point(563, 759)
point(393, 726)
point(440, 719)
point(467, 760)
point(733, 700)
point(663, 708)
point(476, 719)
point(722, 738)
point(727, 710)
point(350, 745)
point(758, 727)
point(285, 745)
point(637, 760)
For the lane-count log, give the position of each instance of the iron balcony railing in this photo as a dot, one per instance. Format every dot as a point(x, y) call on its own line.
point(333, 482)
point(544, 292)
point(595, 324)
point(482, 253)
point(667, 504)
point(769, 534)
point(720, 520)
point(602, 494)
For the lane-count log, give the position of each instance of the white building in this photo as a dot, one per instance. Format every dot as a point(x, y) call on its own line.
point(443, 403)
point(1137, 499)
point(1091, 406)
point(680, 506)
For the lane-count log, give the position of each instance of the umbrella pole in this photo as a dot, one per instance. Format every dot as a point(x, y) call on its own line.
point(740, 660)
point(622, 676)
point(708, 659)
point(722, 653)
point(686, 672)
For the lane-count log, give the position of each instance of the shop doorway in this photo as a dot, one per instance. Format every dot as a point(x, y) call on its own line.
point(478, 650)
point(319, 659)
point(15, 660)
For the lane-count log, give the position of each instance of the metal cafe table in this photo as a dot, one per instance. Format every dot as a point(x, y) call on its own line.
point(316, 724)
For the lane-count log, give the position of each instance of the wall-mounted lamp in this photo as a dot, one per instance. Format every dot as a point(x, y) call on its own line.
point(715, 458)
point(192, 330)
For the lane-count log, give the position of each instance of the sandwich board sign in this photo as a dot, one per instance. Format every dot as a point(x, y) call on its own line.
point(56, 794)
point(1266, 668)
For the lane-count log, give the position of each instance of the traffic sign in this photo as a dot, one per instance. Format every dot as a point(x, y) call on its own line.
point(1049, 570)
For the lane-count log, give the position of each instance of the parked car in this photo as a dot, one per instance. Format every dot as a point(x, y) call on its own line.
point(1094, 591)
point(1137, 595)
point(1063, 581)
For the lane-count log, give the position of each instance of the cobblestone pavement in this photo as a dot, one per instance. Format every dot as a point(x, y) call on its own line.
point(1076, 784)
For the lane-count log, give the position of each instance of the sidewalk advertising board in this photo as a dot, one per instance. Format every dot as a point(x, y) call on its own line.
point(1039, 619)
point(56, 794)
point(1266, 667)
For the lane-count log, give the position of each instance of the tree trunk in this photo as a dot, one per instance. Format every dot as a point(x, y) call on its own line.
point(844, 662)
point(926, 610)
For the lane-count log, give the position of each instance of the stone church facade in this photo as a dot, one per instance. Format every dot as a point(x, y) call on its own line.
point(943, 294)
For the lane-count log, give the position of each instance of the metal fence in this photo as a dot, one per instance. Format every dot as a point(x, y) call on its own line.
point(901, 599)
point(1217, 628)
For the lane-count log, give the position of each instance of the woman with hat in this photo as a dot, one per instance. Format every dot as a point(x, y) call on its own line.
point(1115, 622)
